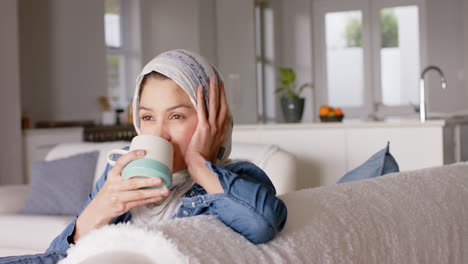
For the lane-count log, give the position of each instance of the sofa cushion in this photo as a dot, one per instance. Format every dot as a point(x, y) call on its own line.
point(279, 165)
point(69, 149)
point(379, 164)
point(255, 153)
point(29, 234)
point(61, 187)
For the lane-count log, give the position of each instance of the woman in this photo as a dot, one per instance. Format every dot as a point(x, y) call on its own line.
point(180, 97)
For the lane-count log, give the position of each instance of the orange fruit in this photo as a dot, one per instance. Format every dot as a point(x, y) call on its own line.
point(338, 112)
point(324, 110)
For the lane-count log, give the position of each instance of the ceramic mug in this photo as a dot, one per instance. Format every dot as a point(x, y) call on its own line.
point(157, 162)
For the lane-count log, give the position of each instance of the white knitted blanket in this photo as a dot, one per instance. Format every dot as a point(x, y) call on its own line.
point(409, 217)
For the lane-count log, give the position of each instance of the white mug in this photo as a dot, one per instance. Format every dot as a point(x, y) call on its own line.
point(157, 162)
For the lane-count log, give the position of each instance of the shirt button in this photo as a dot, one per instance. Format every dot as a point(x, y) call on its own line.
point(193, 204)
point(185, 212)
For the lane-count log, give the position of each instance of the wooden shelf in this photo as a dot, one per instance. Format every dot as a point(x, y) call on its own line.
point(108, 133)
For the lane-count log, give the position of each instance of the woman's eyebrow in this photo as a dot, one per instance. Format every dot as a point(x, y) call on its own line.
point(145, 108)
point(178, 106)
point(167, 109)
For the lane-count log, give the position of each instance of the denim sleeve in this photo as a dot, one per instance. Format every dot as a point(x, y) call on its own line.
point(250, 205)
point(62, 242)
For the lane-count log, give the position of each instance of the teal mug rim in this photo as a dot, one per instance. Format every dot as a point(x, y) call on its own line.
point(145, 167)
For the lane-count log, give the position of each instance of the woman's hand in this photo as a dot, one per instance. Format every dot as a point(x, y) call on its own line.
point(208, 136)
point(210, 132)
point(118, 196)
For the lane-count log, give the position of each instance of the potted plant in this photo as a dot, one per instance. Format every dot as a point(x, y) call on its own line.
point(291, 102)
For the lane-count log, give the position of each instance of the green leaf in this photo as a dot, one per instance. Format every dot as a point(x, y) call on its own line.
point(287, 76)
point(304, 86)
point(288, 88)
point(279, 89)
point(284, 82)
point(292, 76)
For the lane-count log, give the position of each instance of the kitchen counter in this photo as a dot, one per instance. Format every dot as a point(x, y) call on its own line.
point(350, 124)
point(326, 151)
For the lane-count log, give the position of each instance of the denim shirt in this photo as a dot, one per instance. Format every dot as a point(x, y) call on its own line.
point(248, 205)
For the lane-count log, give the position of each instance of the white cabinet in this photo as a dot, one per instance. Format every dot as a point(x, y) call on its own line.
point(38, 142)
point(325, 152)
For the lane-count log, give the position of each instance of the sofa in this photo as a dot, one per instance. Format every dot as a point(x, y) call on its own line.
point(415, 216)
point(29, 234)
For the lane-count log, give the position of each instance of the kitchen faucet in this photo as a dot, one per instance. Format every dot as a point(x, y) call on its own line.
point(422, 90)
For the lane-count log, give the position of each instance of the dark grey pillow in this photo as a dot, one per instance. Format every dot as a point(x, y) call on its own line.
point(379, 164)
point(61, 187)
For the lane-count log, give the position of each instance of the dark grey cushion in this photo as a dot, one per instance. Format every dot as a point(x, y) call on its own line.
point(379, 164)
point(61, 187)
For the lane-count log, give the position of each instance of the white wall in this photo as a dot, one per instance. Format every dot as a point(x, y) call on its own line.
point(179, 24)
point(62, 58)
point(220, 30)
point(10, 115)
point(207, 32)
point(445, 42)
point(168, 25)
point(236, 57)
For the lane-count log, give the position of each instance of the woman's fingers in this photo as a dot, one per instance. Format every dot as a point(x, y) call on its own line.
point(201, 112)
point(213, 101)
point(138, 195)
point(223, 107)
point(125, 201)
point(122, 161)
point(119, 201)
point(222, 95)
point(137, 183)
point(224, 119)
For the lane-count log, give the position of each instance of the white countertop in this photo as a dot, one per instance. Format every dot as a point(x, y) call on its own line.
point(350, 123)
point(353, 124)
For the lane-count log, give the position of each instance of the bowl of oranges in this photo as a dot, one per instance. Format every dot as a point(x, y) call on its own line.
point(330, 114)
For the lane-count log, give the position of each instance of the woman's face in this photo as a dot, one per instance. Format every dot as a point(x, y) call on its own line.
point(166, 111)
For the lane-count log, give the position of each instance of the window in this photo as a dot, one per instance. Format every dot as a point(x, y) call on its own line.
point(368, 55)
point(399, 55)
point(123, 58)
point(115, 60)
point(344, 58)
